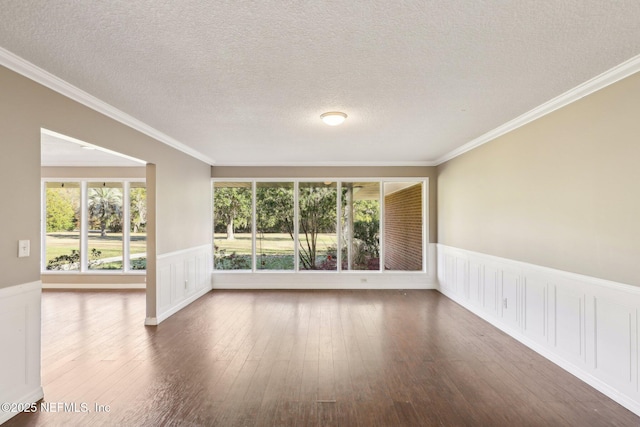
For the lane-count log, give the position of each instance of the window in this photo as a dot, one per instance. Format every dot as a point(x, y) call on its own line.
point(137, 226)
point(317, 234)
point(62, 226)
point(275, 243)
point(104, 213)
point(320, 225)
point(232, 213)
point(94, 226)
point(360, 224)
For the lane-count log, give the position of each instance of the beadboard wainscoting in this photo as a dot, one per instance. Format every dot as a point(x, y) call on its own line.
point(586, 325)
point(182, 277)
point(20, 382)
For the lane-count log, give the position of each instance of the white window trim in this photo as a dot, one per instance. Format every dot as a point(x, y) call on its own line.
point(84, 225)
point(296, 181)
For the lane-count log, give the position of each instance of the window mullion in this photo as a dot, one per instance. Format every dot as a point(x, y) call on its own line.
point(381, 226)
point(43, 226)
point(253, 226)
point(296, 227)
point(339, 227)
point(84, 227)
point(126, 227)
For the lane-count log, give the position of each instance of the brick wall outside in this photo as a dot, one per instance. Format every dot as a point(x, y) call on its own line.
point(403, 229)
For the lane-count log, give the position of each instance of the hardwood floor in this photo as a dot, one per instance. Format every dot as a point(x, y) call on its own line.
point(295, 358)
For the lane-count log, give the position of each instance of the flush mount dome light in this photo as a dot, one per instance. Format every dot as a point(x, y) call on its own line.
point(333, 118)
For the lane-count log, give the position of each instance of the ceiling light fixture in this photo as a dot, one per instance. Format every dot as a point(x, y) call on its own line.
point(333, 118)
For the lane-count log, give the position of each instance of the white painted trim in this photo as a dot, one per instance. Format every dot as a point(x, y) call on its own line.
point(28, 399)
point(424, 181)
point(329, 164)
point(561, 315)
point(20, 359)
point(623, 287)
point(323, 280)
point(151, 321)
point(84, 228)
point(605, 79)
point(181, 277)
point(288, 179)
point(94, 286)
point(176, 308)
point(20, 289)
point(181, 252)
point(95, 147)
point(37, 74)
point(578, 372)
point(43, 226)
point(126, 227)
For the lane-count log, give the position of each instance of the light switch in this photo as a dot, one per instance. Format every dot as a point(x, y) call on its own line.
point(24, 247)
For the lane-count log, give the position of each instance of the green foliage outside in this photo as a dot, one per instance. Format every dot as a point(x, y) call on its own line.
point(366, 236)
point(105, 208)
point(72, 261)
point(61, 214)
point(274, 210)
point(105, 214)
point(275, 228)
point(232, 209)
point(317, 215)
point(138, 209)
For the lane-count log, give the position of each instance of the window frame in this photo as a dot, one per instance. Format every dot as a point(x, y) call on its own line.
point(339, 181)
point(84, 225)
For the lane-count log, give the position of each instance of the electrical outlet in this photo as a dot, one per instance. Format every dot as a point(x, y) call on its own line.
point(24, 248)
point(504, 303)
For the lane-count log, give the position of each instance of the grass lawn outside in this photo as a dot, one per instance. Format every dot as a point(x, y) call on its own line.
point(63, 242)
point(270, 244)
point(274, 251)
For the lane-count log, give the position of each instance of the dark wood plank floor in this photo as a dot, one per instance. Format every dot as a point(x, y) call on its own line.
point(293, 358)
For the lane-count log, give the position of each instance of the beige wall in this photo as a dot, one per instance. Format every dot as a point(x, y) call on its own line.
point(562, 191)
point(341, 172)
point(183, 183)
point(92, 172)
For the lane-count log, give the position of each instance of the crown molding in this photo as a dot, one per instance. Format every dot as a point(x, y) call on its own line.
point(328, 164)
point(605, 79)
point(37, 74)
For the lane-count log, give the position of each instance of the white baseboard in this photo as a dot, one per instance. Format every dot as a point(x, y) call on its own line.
point(321, 280)
point(585, 325)
point(179, 306)
point(20, 329)
point(182, 277)
point(151, 321)
point(94, 286)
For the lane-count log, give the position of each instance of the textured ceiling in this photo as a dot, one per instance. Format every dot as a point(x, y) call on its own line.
point(246, 82)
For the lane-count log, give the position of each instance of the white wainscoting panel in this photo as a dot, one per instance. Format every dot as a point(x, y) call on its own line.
point(535, 308)
point(586, 325)
point(183, 277)
point(20, 334)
